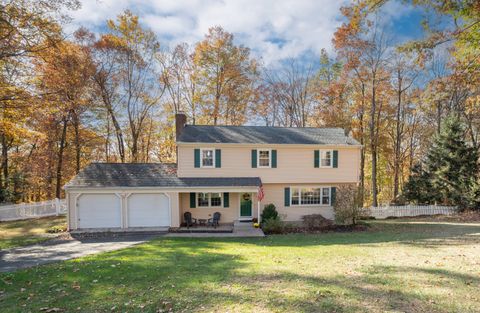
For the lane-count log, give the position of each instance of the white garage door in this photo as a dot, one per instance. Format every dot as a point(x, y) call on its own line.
point(148, 210)
point(99, 211)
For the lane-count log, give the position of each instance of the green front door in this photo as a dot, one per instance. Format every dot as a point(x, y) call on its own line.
point(246, 205)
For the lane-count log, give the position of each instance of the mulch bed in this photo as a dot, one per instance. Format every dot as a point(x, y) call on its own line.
point(326, 229)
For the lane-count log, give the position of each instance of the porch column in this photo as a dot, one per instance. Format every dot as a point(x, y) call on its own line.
point(258, 209)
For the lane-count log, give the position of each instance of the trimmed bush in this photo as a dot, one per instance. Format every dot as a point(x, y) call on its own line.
point(273, 225)
point(269, 212)
point(315, 221)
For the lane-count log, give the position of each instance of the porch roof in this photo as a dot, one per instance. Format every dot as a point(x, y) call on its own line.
point(163, 175)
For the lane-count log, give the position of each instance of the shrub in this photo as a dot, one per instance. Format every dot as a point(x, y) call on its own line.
point(315, 221)
point(57, 229)
point(348, 207)
point(269, 212)
point(273, 225)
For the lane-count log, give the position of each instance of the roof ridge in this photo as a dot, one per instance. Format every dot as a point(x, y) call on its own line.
point(136, 163)
point(289, 127)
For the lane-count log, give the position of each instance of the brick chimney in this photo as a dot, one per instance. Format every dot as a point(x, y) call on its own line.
point(180, 121)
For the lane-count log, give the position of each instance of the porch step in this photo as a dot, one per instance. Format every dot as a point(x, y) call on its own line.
point(242, 223)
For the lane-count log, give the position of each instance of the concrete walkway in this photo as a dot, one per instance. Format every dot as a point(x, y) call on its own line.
point(60, 250)
point(242, 231)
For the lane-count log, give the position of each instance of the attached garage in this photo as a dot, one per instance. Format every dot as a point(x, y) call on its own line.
point(148, 210)
point(99, 211)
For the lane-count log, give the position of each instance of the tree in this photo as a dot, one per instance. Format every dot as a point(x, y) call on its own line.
point(404, 74)
point(64, 83)
point(451, 170)
point(348, 206)
point(225, 75)
point(291, 93)
point(364, 46)
point(452, 163)
point(30, 26)
point(138, 91)
point(419, 188)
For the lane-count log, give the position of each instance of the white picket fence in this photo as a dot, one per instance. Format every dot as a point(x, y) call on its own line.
point(383, 212)
point(23, 211)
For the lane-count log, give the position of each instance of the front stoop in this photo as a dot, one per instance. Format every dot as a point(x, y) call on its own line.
point(246, 229)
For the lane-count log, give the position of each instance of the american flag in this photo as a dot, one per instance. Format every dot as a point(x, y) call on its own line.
point(260, 193)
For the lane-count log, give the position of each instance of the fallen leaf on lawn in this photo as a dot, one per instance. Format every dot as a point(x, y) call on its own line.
point(76, 286)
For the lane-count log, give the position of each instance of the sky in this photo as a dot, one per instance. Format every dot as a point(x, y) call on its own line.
point(274, 30)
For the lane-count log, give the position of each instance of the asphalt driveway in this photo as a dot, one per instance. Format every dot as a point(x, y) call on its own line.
point(60, 250)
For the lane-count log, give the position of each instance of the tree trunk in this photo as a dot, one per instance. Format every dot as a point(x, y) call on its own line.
point(5, 161)
point(439, 116)
point(58, 191)
point(76, 126)
point(362, 142)
point(398, 141)
point(116, 126)
point(373, 148)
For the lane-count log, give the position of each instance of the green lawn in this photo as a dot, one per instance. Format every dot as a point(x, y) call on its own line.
point(396, 266)
point(21, 233)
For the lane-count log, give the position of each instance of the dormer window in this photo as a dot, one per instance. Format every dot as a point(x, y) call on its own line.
point(264, 158)
point(207, 157)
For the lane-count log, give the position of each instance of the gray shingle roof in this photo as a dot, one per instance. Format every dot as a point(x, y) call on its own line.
point(149, 175)
point(265, 135)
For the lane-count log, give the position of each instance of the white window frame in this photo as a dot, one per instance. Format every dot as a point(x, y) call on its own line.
point(299, 188)
point(213, 156)
point(321, 154)
point(269, 158)
point(209, 200)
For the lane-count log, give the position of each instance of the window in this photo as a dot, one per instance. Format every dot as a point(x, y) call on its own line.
point(326, 196)
point(264, 158)
point(202, 199)
point(310, 196)
point(207, 200)
point(326, 158)
point(215, 199)
point(295, 196)
point(207, 157)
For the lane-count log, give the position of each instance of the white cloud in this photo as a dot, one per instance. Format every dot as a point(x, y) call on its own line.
point(273, 29)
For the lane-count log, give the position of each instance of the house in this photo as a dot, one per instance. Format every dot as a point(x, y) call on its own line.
point(219, 169)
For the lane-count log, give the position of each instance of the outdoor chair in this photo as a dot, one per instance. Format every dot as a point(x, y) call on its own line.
point(214, 220)
point(189, 220)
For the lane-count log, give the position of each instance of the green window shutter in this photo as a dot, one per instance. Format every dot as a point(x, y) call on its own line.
point(254, 158)
point(226, 199)
point(333, 193)
point(218, 158)
point(274, 158)
point(287, 196)
point(316, 158)
point(197, 157)
point(335, 158)
point(192, 200)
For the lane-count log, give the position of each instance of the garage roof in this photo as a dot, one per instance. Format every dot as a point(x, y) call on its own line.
point(265, 135)
point(149, 175)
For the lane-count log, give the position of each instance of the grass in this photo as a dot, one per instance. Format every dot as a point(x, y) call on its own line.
point(26, 232)
point(396, 266)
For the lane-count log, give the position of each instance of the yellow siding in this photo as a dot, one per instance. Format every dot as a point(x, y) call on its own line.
point(294, 165)
point(228, 215)
point(274, 193)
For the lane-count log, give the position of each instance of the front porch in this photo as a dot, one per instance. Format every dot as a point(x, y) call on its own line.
point(233, 206)
point(238, 229)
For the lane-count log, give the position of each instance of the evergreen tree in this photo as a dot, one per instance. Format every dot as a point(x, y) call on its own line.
point(419, 188)
point(451, 168)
